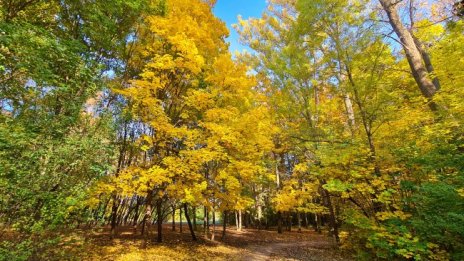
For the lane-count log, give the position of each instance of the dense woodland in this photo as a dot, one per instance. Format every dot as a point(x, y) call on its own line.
point(345, 116)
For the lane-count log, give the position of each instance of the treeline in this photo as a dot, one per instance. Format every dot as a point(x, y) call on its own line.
point(347, 115)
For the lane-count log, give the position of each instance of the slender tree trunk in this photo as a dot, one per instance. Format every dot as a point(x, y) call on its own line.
point(224, 225)
point(103, 212)
point(95, 214)
point(133, 205)
point(285, 219)
point(366, 123)
point(192, 232)
point(121, 211)
point(259, 209)
point(180, 220)
point(122, 152)
point(259, 215)
point(350, 113)
point(306, 225)
point(128, 213)
point(318, 223)
point(205, 221)
point(299, 221)
point(173, 218)
point(194, 209)
point(147, 217)
point(267, 222)
point(136, 213)
point(289, 221)
point(144, 221)
point(239, 220)
point(159, 220)
point(114, 214)
point(214, 225)
point(279, 222)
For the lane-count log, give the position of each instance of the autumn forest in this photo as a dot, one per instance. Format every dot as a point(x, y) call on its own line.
point(129, 130)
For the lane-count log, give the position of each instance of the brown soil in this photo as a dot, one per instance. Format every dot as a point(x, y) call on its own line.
point(249, 244)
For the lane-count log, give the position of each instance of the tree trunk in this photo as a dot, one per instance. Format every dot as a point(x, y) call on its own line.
point(427, 61)
point(240, 220)
point(289, 221)
point(259, 210)
point(332, 217)
point(366, 123)
point(114, 214)
point(121, 157)
point(121, 212)
point(136, 213)
point(145, 225)
point(159, 220)
point(317, 223)
point(298, 214)
point(103, 213)
point(350, 113)
point(144, 220)
point(192, 232)
point(224, 225)
point(180, 220)
point(128, 213)
point(173, 218)
point(194, 209)
point(412, 51)
point(279, 222)
point(205, 221)
point(214, 225)
point(267, 222)
point(306, 225)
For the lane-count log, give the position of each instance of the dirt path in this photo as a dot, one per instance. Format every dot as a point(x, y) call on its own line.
point(265, 252)
point(264, 245)
point(291, 251)
point(249, 244)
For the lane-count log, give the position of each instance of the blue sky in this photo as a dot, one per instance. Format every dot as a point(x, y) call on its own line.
point(228, 10)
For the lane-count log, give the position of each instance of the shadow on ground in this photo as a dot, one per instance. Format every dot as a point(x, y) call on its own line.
point(249, 244)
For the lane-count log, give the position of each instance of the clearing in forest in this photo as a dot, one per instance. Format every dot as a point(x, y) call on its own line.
point(249, 244)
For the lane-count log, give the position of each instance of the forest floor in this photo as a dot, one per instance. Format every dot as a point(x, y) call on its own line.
point(249, 244)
